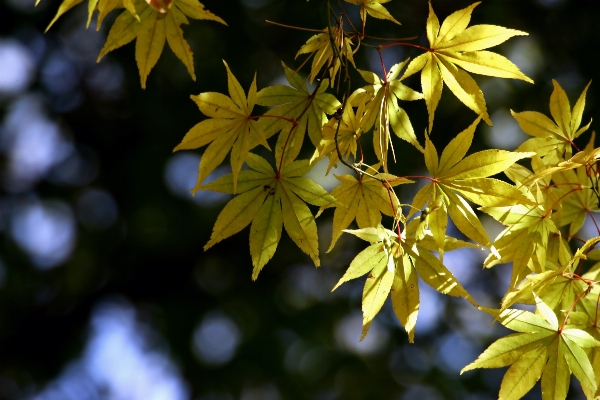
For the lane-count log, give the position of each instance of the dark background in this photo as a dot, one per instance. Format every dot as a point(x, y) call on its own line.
point(105, 292)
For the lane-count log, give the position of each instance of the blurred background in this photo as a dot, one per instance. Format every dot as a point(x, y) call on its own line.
point(105, 292)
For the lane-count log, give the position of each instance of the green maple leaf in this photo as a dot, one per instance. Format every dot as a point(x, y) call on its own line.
point(363, 199)
point(394, 267)
point(541, 348)
point(379, 103)
point(297, 103)
point(455, 178)
point(558, 134)
point(231, 127)
point(374, 8)
point(152, 25)
point(269, 200)
point(453, 45)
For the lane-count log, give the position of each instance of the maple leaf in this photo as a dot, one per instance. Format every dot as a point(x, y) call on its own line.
point(269, 200)
point(374, 8)
point(524, 241)
point(363, 199)
point(453, 45)
point(103, 6)
point(231, 127)
point(319, 47)
point(106, 6)
point(559, 289)
point(154, 24)
point(541, 348)
point(541, 190)
point(394, 267)
point(588, 318)
point(308, 109)
point(587, 158)
point(578, 199)
point(379, 103)
point(558, 134)
point(455, 178)
point(348, 129)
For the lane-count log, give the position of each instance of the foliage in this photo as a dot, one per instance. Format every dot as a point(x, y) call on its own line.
point(542, 210)
point(151, 23)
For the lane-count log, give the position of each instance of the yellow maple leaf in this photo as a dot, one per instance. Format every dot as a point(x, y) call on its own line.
point(295, 102)
point(319, 47)
point(154, 24)
point(455, 178)
point(269, 200)
point(374, 8)
point(453, 45)
point(231, 127)
point(556, 135)
point(363, 199)
point(378, 104)
point(393, 266)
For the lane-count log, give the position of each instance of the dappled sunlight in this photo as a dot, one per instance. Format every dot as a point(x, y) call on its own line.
point(32, 143)
point(216, 339)
point(347, 334)
point(455, 351)
point(16, 67)
point(317, 173)
point(181, 173)
point(119, 362)
point(506, 133)
point(306, 286)
point(118, 357)
point(527, 55)
point(431, 309)
point(46, 231)
point(463, 263)
point(105, 80)
point(79, 168)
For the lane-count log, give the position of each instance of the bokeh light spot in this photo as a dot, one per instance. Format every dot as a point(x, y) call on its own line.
point(181, 174)
point(16, 67)
point(46, 231)
point(348, 330)
point(216, 339)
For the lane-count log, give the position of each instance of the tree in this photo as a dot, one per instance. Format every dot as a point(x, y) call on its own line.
point(543, 209)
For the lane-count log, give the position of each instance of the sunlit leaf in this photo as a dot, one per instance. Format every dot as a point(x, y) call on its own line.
point(232, 127)
point(560, 133)
point(269, 200)
point(152, 26)
point(454, 44)
point(374, 8)
point(542, 349)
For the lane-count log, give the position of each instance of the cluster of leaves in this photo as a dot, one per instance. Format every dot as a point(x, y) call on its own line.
point(542, 210)
point(151, 23)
